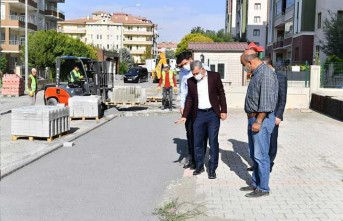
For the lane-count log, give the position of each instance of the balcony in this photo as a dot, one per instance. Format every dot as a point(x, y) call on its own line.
point(279, 21)
point(72, 30)
point(139, 33)
point(30, 3)
point(277, 45)
point(54, 13)
point(12, 47)
point(131, 42)
point(137, 52)
point(18, 22)
point(289, 13)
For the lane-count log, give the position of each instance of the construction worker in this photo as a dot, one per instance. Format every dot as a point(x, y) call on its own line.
point(168, 83)
point(75, 74)
point(32, 86)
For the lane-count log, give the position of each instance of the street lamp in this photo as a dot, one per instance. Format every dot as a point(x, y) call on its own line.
point(121, 30)
point(202, 58)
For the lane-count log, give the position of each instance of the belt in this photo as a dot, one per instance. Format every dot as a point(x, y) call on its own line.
point(251, 115)
point(206, 109)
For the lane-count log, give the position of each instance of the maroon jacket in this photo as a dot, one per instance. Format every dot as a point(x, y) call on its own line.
point(216, 95)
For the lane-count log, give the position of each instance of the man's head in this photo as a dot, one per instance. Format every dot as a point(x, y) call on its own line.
point(198, 70)
point(268, 61)
point(184, 59)
point(250, 60)
point(34, 71)
point(166, 67)
point(76, 68)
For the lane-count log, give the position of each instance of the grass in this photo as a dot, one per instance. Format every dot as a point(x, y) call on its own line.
point(176, 211)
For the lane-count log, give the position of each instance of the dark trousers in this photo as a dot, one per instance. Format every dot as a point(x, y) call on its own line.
point(273, 145)
point(190, 139)
point(167, 95)
point(206, 122)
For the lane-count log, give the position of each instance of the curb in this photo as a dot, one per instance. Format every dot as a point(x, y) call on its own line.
point(26, 161)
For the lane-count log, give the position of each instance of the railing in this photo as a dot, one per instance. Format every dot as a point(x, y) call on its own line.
point(20, 18)
point(332, 75)
point(297, 72)
point(2, 42)
point(14, 42)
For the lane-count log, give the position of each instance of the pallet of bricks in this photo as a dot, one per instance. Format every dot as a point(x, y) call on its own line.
point(127, 95)
point(12, 85)
point(46, 122)
point(85, 107)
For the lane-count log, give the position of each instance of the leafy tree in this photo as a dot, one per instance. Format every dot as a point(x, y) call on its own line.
point(3, 65)
point(333, 31)
point(196, 37)
point(170, 54)
point(219, 36)
point(147, 53)
point(123, 67)
point(126, 56)
point(45, 46)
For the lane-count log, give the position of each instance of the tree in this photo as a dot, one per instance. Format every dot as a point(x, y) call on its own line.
point(126, 60)
point(197, 37)
point(3, 65)
point(170, 54)
point(333, 31)
point(219, 36)
point(147, 54)
point(45, 46)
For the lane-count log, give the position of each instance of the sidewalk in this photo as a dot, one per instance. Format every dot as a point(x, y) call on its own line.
point(306, 182)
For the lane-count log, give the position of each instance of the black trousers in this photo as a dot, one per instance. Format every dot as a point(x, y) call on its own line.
point(273, 145)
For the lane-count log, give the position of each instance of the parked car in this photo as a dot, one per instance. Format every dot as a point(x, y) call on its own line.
point(136, 74)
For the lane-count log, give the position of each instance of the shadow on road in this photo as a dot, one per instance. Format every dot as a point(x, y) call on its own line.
point(233, 159)
point(73, 130)
point(133, 108)
point(181, 149)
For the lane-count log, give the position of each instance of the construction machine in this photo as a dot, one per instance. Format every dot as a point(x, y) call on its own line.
point(96, 80)
point(157, 72)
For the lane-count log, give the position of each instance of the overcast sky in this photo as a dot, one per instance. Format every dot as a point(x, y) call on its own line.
point(175, 18)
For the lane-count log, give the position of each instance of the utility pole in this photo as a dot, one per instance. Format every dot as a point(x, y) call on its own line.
point(26, 46)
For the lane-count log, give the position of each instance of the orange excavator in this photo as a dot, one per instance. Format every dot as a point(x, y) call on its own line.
point(157, 72)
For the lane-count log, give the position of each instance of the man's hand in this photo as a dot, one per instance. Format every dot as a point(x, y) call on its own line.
point(181, 110)
point(277, 121)
point(256, 127)
point(223, 116)
point(182, 119)
point(175, 89)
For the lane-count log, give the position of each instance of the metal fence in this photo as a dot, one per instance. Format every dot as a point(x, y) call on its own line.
point(332, 75)
point(297, 73)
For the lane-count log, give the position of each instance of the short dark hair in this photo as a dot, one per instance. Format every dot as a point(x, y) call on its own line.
point(183, 55)
point(268, 60)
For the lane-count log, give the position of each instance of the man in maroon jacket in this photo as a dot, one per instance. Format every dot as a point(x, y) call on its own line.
point(207, 103)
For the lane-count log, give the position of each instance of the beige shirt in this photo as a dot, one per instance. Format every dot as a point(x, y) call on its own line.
point(203, 97)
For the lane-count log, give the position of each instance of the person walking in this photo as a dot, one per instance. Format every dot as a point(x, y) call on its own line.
point(168, 83)
point(260, 103)
point(206, 102)
point(32, 86)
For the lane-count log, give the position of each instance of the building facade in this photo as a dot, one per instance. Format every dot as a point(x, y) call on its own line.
point(113, 32)
point(247, 20)
point(42, 15)
point(291, 31)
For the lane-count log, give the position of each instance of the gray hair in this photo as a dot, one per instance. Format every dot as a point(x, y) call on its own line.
point(196, 63)
point(249, 57)
point(33, 69)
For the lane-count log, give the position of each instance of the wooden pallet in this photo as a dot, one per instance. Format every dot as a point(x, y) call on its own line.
point(124, 103)
point(153, 99)
point(10, 95)
point(32, 138)
point(85, 118)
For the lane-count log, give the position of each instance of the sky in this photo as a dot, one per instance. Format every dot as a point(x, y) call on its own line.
point(174, 18)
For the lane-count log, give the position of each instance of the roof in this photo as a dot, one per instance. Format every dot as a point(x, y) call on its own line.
point(167, 45)
point(218, 46)
point(99, 13)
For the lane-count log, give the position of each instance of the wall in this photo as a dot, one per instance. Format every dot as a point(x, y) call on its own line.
point(233, 68)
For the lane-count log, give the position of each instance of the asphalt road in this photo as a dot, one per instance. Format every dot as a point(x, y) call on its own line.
point(117, 172)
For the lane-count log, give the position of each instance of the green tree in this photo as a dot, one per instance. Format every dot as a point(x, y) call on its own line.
point(216, 36)
point(45, 46)
point(196, 37)
point(147, 53)
point(3, 65)
point(170, 54)
point(333, 31)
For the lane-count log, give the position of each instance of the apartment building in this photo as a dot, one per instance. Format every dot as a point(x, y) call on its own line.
point(323, 10)
point(113, 32)
point(42, 15)
point(291, 31)
point(247, 20)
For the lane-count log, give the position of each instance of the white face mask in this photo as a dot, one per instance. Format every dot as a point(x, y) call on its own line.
point(187, 67)
point(199, 76)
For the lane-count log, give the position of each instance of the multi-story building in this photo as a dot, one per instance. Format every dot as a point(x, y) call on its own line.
point(323, 10)
point(291, 31)
point(113, 32)
point(42, 15)
point(247, 20)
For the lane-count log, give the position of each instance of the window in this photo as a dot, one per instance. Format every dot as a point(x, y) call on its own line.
point(213, 67)
point(257, 19)
point(339, 14)
point(319, 20)
point(289, 3)
point(317, 51)
point(256, 32)
point(257, 6)
point(108, 46)
point(137, 47)
point(221, 70)
point(257, 43)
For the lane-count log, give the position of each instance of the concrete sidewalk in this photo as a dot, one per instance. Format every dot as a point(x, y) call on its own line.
point(306, 182)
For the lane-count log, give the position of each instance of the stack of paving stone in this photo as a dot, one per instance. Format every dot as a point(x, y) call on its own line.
point(84, 106)
point(12, 85)
point(40, 121)
point(128, 94)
